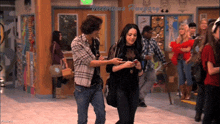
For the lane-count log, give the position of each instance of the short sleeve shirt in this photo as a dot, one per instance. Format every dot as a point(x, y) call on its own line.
point(208, 55)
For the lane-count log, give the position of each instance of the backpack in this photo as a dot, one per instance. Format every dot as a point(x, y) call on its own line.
point(198, 73)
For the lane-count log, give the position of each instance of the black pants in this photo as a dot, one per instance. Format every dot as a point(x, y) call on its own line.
point(212, 105)
point(127, 102)
point(57, 82)
point(200, 98)
point(194, 86)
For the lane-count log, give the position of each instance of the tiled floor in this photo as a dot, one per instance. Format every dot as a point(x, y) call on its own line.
point(18, 107)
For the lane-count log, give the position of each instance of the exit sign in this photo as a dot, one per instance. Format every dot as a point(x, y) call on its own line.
point(86, 2)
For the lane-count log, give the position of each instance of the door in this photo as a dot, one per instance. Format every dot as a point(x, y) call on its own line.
point(75, 17)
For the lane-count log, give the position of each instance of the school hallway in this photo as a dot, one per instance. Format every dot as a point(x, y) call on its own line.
point(20, 107)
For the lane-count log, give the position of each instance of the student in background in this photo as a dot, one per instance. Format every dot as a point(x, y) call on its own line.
point(192, 33)
point(211, 64)
point(198, 45)
point(57, 57)
point(150, 49)
point(192, 30)
point(181, 48)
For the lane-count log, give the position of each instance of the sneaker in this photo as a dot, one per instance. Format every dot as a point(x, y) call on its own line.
point(142, 104)
point(178, 94)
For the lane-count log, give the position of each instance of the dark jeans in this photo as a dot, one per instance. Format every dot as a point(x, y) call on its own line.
point(93, 95)
point(200, 98)
point(212, 105)
point(127, 105)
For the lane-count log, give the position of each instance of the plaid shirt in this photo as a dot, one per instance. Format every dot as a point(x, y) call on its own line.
point(82, 56)
point(150, 47)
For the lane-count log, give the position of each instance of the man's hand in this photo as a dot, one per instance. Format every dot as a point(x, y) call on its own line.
point(116, 61)
point(148, 57)
point(101, 57)
point(166, 64)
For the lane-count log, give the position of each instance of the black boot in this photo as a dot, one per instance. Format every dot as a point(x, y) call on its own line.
point(198, 117)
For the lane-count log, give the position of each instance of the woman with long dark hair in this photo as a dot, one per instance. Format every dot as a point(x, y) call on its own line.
point(57, 58)
point(211, 64)
point(198, 45)
point(129, 49)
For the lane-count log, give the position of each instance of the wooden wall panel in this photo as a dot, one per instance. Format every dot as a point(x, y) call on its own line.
point(212, 13)
point(43, 43)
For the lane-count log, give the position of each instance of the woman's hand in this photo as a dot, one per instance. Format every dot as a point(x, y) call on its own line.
point(129, 64)
point(138, 65)
point(148, 57)
point(185, 49)
point(65, 62)
point(188, 60)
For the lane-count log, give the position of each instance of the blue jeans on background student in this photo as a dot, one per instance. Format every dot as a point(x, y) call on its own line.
point(184, 73)
point(93, 95)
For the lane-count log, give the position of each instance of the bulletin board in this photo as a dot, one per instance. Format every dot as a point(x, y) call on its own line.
point(28, 47)
point(165, 30)
point(28, 32)
point(165, 27)
point(67, 25)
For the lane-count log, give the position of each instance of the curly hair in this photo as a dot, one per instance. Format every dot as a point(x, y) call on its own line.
point(92, 23)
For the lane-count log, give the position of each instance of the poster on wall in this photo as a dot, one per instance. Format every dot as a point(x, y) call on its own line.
point(165, 27)
point(171, 30)
point(172, 27)
point(185, 19)
point(28, 32)
point(67, 25)
point(143, 21)
point(157, 23)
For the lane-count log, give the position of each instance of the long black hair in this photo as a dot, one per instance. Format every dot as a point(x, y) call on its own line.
point(122, 40)
point(56, 37)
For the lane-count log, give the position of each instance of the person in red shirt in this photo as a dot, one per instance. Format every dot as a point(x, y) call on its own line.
point(211, 64)
point(181, 48)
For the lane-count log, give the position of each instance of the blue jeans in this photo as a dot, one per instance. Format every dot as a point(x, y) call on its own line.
point(184, 73)
point(93, 95)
